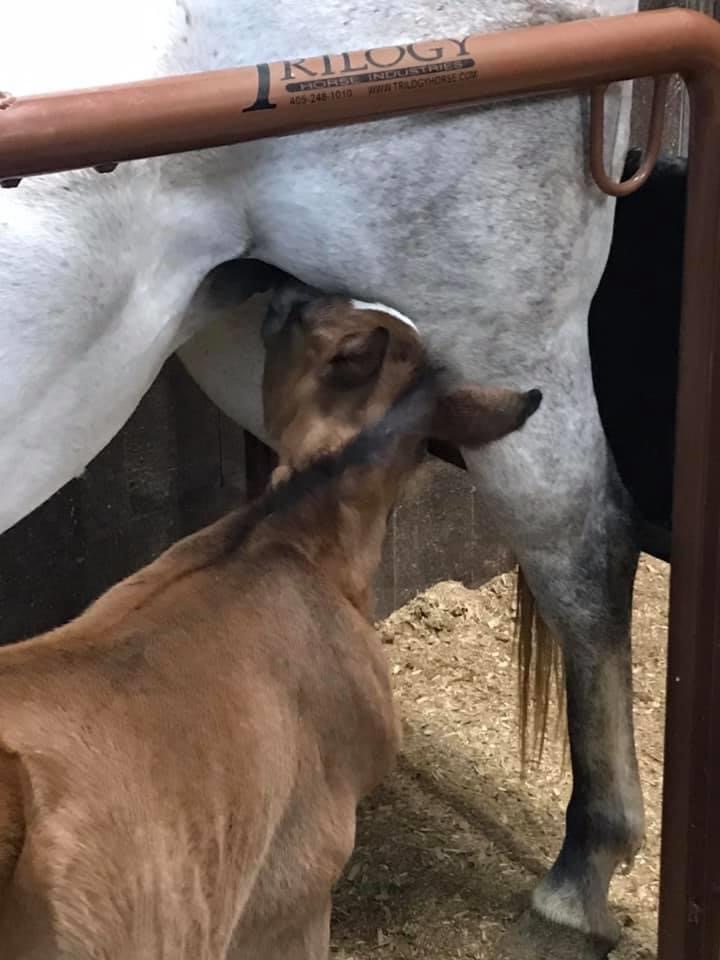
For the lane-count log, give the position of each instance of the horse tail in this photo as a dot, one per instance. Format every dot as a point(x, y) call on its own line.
point(540, 667)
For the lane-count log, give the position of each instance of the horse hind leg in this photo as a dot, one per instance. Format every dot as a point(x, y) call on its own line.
point(604, 820)
point(569, 523)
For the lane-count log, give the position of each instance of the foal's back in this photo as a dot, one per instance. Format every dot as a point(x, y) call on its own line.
point(180, 766)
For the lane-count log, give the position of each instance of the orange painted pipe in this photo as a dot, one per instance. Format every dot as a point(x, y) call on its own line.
point(62, 131)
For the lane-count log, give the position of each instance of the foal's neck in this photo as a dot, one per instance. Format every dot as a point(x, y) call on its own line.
point(341, 528)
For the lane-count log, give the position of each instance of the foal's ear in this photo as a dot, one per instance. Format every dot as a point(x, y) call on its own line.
point(358, 358)
point(286, 306)
point(471, 416)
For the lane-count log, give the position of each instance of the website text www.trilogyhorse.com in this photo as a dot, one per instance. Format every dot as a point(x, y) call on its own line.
point(418, 83)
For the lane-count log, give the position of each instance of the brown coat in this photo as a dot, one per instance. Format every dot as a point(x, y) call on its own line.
point(180, 765)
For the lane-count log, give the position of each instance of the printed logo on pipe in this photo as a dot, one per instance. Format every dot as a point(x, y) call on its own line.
point(378, 71)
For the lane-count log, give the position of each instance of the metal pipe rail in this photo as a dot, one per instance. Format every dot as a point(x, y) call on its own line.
point(101, 127)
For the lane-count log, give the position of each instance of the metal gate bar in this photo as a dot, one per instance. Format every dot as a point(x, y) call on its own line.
point(103, 126)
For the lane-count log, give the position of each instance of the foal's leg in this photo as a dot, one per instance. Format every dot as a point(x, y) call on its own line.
point(314, 944)
point(554, 490)
point(308, 939)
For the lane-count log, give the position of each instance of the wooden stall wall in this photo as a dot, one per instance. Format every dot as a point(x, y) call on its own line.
point(173, 467)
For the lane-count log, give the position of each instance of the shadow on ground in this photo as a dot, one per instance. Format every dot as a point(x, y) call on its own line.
point(435, 875)
point(450, 848)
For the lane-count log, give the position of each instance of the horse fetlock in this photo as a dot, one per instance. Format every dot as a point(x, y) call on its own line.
point(574, 893)
point(622, 836)
point(578, 902)
point(626, 863)
point(634, 844)
point(614, 841)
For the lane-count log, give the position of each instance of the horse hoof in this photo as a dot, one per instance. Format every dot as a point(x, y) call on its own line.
point(532, 937)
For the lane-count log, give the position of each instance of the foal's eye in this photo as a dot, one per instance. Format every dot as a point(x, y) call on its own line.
point(296, 316)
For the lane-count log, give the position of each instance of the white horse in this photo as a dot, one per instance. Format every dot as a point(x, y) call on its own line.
point(483, 224)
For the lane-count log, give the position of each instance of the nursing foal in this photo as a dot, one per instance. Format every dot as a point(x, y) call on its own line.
point(180, 766)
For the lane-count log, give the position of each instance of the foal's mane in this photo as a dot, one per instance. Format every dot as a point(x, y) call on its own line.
point(409, 412)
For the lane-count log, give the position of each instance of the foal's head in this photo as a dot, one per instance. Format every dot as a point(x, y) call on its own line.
point(343, 375)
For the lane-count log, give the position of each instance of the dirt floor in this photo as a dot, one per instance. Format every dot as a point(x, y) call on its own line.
point(448, 850)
